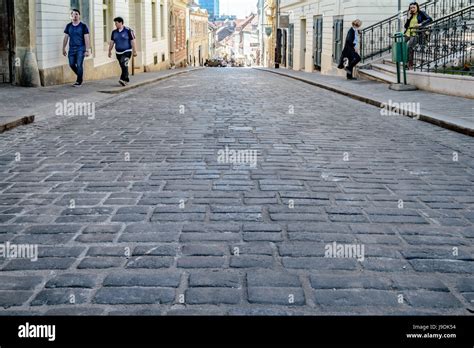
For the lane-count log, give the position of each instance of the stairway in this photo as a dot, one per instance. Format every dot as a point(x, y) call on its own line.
point(382, 71)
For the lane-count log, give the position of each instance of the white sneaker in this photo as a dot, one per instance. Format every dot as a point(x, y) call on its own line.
point(122, 82)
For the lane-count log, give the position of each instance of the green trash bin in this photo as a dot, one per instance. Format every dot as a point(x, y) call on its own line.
point(400, 54)
point(400, 49)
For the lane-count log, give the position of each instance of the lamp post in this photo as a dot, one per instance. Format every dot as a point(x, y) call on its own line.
point(262, 42)
point(399, 15)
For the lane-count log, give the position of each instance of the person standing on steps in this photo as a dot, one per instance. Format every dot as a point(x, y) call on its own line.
point(416, 19)
point(77, 34)
point(351, 50)
point(123, 38)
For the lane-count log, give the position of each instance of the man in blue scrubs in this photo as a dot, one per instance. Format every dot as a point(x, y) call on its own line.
point(77, 34)
point(123, 39)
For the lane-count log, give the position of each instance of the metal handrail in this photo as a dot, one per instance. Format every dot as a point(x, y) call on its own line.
point(375, 39)
point(446, 45)
point(465, 13)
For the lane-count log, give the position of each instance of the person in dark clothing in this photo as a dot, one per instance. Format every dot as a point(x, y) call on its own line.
point(351, 50)
point(416, 19)
point(77, 34)
point(123, 39)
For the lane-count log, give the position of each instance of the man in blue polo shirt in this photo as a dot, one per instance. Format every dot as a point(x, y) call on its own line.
point(123, 39)
point(77, 34)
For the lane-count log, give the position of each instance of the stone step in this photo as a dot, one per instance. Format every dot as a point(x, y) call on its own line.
point(388, 62)
point(385, 68)
point(375, 75)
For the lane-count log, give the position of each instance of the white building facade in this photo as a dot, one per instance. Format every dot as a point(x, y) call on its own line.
point(317, 29)
point(250, 47)
point(148, 18)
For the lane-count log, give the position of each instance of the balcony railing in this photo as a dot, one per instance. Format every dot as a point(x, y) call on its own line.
point(376, 39)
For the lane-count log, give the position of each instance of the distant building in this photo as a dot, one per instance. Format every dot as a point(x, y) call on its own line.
point(212, 7)
point(198, 37)
point(224, 18)
point(224, 31)
point(177, 43)
point(212, 39)
point(238, 40)
point(250, 42)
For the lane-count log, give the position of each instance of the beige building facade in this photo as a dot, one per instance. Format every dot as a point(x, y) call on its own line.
point(198, 37)
point(267, 14)
point(179, 15)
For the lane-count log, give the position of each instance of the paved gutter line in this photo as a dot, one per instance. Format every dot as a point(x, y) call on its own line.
point(423, 117)
point(146, 82)
point(21, 120)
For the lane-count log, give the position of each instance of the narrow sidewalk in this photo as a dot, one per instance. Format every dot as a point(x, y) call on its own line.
point(454, 113)
point(23, 105)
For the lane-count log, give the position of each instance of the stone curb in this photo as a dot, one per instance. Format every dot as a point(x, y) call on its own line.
point(146, 82)
point(16, 121)
point(438, 121)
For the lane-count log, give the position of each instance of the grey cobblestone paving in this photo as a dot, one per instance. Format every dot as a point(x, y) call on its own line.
point(134, 213)
point(456, 111)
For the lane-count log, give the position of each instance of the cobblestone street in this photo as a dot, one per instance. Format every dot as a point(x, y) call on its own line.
point(156, 206)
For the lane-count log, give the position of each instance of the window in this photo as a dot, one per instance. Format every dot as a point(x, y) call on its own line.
point(83, 6)
point(291, 44)
point(337, 28)
point(180, 31)
point(162, 20)
point(317, 41)
point(107, 19)
point(154, 26)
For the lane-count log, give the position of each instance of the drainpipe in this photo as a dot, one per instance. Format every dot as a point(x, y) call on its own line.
point(11, 40)
point(277, 44)
point(262, 45)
